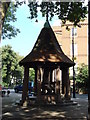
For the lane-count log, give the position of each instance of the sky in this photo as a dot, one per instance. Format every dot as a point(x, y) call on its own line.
point(29, 31)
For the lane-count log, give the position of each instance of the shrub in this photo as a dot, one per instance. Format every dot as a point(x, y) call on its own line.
point(82, 78)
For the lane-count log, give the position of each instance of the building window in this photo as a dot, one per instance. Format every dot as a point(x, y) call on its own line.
point(75, 49)
point(74, 32)
point(71, 69)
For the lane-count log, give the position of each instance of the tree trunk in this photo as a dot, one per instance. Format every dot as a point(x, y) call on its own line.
point(3, 10)
point(1, 14)
point(25, 86)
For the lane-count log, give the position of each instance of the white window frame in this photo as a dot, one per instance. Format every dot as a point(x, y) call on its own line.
point(74, 32)
point(75, 49)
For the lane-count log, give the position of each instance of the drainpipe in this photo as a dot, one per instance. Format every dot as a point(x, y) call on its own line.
point(73, 61)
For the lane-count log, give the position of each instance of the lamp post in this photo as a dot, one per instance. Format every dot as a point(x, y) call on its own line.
point(73, 61)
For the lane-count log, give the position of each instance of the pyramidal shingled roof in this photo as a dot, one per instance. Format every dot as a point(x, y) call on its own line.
point(46, 49)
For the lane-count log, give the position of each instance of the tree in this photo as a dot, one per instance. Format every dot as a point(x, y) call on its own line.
point(18, 72)
point(3, 10)
point(7, 15)
point(8, 30)
point(10, 65)
point(82, 78)
point(72, 11)
point(31, 74)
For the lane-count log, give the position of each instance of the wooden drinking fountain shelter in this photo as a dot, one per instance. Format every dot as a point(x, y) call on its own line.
point(47, 58)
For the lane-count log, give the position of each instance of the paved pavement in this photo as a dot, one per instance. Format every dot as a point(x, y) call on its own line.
point(11, 111)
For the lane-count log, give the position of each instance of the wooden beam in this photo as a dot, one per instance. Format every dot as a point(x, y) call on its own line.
point(35, 82)
point(63, 81)
point(67, 85)
point(38, 85)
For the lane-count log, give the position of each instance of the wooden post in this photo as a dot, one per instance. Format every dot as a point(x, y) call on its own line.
point(25, 86)
point(51, 72)
point(63, 81)
point(58, 84)
point(39, 91)
point(58, 91)
point(46, 75)
point(38, 85)
point(67, 85)
point(35, 82)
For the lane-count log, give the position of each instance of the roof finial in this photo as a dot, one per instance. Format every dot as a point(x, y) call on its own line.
point(47, 13)
point(47, 25)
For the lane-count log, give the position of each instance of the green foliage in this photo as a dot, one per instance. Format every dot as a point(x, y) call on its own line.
point(82, 77)
point(11, 68)
point(31, 74)
point(10, 65)
point(72, 11)
point(33, 10)
point(4, 84)
point(8, 30)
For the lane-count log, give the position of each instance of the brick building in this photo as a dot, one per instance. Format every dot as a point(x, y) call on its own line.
point(80, 41)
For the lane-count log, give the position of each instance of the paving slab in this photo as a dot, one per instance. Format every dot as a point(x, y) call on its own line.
point(11, 111)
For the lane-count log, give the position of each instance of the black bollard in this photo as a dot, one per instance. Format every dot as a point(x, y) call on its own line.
point(8, 92)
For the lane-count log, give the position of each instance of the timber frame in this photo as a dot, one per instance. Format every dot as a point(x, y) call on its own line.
point(51, 67)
